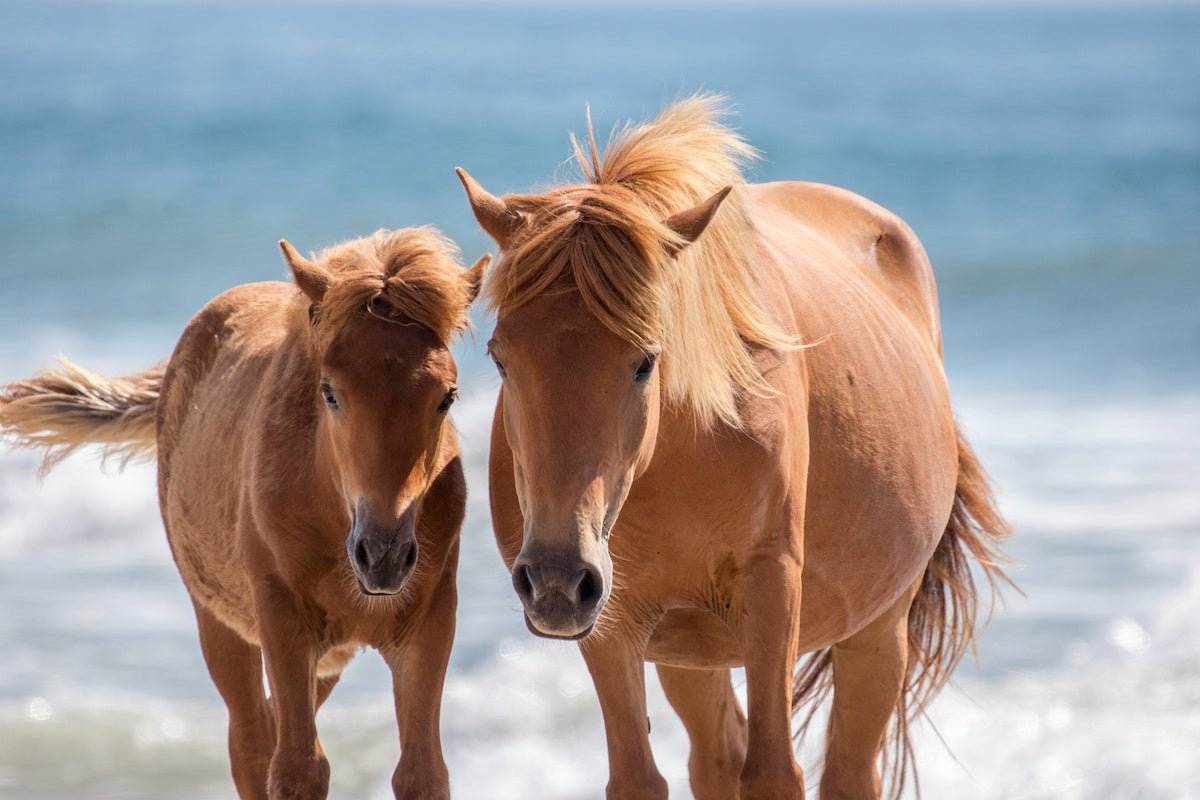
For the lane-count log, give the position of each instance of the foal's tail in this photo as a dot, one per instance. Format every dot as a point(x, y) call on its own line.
point(62, 409)
point(942, 619)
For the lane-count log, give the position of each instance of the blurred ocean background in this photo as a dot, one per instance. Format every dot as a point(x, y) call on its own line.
point(151, 154)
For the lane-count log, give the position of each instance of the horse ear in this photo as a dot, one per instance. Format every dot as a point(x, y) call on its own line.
point(493, 214)
point(311, 279)
point(691, 223)
point(475, 275)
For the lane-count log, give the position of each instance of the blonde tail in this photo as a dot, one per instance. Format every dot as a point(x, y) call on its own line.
point(945, 614)
point(942, 621)
point(62, 409)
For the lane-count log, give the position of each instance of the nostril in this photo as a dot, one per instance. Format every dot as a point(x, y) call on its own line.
point(588, 589)
point(522, 583)
point(409, 557)
point(361, 555)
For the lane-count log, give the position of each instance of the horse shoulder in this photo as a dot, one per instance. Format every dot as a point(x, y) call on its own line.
point(445, 504)
point(879, 244)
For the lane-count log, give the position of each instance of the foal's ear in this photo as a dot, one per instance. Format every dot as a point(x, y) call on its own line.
point(493, 214)
point(475, 275)
point(312, 280)
point(691, 223)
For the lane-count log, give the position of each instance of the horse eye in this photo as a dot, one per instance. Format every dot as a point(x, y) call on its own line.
point(500, 367)
point(644, 369)
point(329, 397)
point(447, 401)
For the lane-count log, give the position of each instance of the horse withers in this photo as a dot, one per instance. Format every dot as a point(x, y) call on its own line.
point(311, 488)
point(724, 438)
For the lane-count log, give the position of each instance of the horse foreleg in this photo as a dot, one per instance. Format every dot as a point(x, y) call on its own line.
point(868, 676)
point(418, 663)
point(768, 629)
point(299, 769)
point(716, 726)
point(619, 675)
point(236, 669)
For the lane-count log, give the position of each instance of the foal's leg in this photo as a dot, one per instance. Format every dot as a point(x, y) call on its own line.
point(236, 668)
point(418, 662)
point(768, 628)
point(299, 769)
point(705, 701)
point(618, 673)
point(868, 676)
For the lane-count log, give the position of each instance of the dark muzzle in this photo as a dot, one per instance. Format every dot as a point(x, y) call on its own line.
point(382, 556)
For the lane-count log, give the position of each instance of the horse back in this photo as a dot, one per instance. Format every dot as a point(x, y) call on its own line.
point(862, 236)
point(226, 342)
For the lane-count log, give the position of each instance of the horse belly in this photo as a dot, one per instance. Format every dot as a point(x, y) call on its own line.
point(694, 638)
point(877, 505)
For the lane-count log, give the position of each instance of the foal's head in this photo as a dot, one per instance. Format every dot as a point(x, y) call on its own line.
point(383, 311)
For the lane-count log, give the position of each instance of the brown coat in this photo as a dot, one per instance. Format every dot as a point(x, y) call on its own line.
point(311, 489)
point(658, 499)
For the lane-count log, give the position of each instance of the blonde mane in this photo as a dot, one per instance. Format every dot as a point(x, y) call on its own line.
point(606, 239)
point(410, 275)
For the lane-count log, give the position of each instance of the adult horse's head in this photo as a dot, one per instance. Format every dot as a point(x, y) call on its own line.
point(605, 320)
point(382, 312)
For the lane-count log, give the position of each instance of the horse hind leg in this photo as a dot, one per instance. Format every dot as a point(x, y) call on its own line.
point(329, 671)
point(236, 669)
point(716, 726)
point(325, 686)
point(869, 673)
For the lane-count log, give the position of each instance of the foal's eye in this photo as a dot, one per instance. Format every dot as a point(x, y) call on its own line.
point(645, 369)
point(447, 401)
point(500, 367)
point(329, 397)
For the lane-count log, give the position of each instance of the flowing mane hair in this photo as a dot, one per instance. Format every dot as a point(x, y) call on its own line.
point(407, 276)
point(606, 239)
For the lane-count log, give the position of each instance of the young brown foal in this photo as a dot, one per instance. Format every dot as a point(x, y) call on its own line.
point(311, 488)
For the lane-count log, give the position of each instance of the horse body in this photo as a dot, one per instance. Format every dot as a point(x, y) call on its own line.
point(207, 415)
point(835, 440)
point(238, 392)
point(283, 421)
point(831, 514)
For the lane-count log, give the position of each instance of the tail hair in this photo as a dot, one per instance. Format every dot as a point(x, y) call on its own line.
point(62, 409)
point(941, 622)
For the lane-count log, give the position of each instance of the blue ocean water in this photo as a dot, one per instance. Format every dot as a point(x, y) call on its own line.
point(152, 154)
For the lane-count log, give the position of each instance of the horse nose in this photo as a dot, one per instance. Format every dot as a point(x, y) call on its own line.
point(368, 550)
point(583, 588)
point(382, 559)
point(406, 556)
point(559, 598)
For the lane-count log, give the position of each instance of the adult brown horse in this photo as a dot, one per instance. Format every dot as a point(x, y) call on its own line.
point(284, 421)
point(774, 499)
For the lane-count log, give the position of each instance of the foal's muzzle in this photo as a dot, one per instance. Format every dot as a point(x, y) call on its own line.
point(383, 557)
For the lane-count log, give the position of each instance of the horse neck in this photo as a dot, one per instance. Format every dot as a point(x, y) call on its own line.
point(680, 433)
